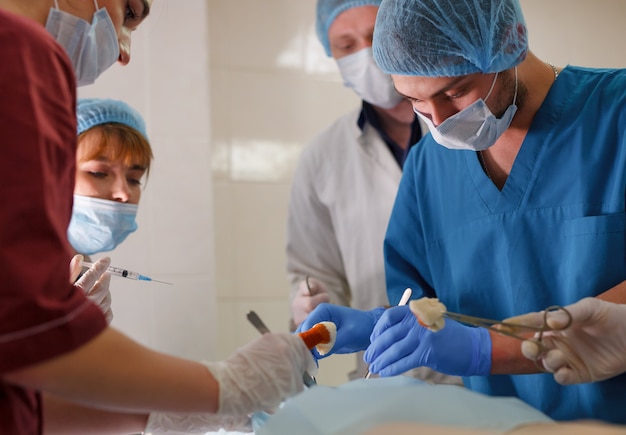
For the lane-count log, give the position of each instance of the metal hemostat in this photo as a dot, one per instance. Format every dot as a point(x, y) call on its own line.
point(510, 329)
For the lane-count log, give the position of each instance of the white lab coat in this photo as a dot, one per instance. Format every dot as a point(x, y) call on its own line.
point(341, 198)
point(343, 191)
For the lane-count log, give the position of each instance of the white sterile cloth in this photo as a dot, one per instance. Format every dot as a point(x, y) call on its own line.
point(366, 403)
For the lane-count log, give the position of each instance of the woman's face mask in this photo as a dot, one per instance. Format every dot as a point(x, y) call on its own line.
point(99, 225)
point(92, 48)
point(474, 128)
point(361, 74)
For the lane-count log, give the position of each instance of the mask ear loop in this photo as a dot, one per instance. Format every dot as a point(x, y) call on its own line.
point(494, 84)
point(56, 4)
point(515, 96)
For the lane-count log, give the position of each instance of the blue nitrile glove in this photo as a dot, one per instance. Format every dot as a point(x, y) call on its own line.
point(353, 326)
point(400, 343)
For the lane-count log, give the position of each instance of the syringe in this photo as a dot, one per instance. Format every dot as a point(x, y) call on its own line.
point(125, 273)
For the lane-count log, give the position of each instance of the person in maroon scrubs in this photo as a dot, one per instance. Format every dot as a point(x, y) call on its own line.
point(61, 366)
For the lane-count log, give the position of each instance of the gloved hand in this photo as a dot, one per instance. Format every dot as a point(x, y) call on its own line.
point(257, 376)
point(262, 374)
point(180, 424)
point(353, 326)
point(305, 301)
point(94, 283)
point(400, 343)
point(591, 349)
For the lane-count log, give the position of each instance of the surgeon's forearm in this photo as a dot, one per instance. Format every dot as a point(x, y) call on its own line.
point(66, 418)
point(113, 372)
point(616, 294)
point(507, 358)
point(506, 353)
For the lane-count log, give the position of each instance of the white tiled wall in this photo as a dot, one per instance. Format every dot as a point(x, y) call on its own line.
point(231, 91)
point(273, 90)
point(167, 81)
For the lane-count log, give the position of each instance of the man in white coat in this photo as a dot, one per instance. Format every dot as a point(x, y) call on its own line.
point(346, 180)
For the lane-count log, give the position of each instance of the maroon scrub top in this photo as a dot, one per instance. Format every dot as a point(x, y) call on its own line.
point(41, 314)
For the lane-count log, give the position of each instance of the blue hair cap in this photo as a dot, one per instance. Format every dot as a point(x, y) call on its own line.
point(328, 10)
point(449, 38)
point(91, 112)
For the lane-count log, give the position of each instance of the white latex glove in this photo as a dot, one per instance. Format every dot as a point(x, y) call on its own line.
point(592, 349)
point(255, 377)
point(263, 373)
point(174, 424)
point(306, 300)
point(94, 283)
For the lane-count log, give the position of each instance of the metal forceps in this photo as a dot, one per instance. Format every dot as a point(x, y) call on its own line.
point(256, 321)
point(308, 286)
point(513, 329)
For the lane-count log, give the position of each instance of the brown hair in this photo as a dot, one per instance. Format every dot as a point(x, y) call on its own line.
point(132, 147)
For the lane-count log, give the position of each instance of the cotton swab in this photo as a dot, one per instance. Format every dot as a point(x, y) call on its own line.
point(321, 337)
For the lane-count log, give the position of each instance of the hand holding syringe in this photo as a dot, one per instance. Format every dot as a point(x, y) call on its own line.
point(125, 273)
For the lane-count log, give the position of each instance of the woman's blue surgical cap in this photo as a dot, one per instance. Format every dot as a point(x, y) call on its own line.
point(449, 38)
point(96, 111)
point(327, 11)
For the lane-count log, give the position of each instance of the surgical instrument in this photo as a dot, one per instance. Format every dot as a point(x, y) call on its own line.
point(403, 301)
point(308, 286)
point(514, 330)
point(507, 328)
point(125, 273)
point(256, 321)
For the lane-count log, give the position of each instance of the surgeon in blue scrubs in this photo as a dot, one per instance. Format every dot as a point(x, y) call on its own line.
point(514, 202)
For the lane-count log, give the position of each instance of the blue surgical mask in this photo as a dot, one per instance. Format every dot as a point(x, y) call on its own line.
point(361, 74)
point(99, 225)
point(92, 48)
point(474, 128)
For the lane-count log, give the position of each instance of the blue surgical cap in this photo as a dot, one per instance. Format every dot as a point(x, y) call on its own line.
point(96, 111)
point(449, 38)
point(327, 11)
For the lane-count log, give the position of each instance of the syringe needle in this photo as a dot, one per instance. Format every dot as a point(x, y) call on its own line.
point(147, 278)
point(162, 282)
